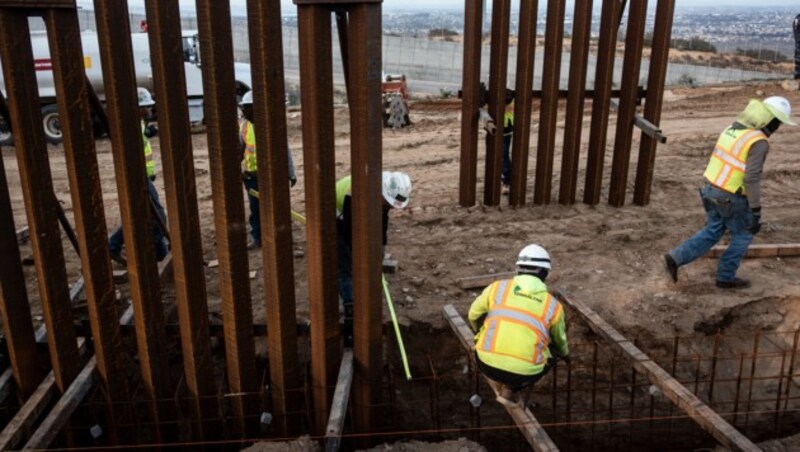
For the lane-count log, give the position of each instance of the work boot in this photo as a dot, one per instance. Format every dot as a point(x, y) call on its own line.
point(347, 330)
point(508, 396)
point(117, 257)
point(672, 267)
point(736, 283)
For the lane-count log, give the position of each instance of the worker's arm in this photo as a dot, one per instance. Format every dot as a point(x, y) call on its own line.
point(241, 144)
point(479, 308)
point(558, 332)
point(486, 121)
point(753, 172)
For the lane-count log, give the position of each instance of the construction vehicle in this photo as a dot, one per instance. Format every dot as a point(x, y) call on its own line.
point(92, 63)
point(395, 101)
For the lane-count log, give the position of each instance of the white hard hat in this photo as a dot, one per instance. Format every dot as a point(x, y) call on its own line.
point(780, 108)
point(533, 256)
point(247, 99)
point(396, 189)
point(145, 99)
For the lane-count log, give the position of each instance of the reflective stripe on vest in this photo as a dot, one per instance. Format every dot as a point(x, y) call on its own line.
point(500, 312)
point(727, 166)
point(149, 162)
point(249, 139)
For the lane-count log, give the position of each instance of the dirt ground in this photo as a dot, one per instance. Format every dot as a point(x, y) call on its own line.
point(608, 257)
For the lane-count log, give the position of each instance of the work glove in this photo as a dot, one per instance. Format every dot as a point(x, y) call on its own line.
point(292, 181)
point(245, 176)
point(491, 127)
point(755, 225)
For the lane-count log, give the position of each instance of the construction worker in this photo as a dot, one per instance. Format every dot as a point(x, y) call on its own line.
point(731, 194)
point(396, 189)
point(247, 148)
point(508, 134)
point(521, 328)
point(116, 241)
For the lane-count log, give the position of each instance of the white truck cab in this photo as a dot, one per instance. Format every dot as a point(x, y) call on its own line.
point(92, 64)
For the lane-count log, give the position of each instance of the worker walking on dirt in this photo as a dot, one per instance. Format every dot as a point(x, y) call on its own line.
point(521, 327)
point(396, 189)
point(247, 148)
point(116, 241)
point(508, 133)
point(731, 194)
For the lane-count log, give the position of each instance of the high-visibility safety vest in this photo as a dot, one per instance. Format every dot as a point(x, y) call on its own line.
point(521, 320)
point(727, 166)
point(249, 139)
point(343, 187)
point(149, 162)
point(508, 119)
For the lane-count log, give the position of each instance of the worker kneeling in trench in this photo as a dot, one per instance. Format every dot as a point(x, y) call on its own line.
point(521, 327)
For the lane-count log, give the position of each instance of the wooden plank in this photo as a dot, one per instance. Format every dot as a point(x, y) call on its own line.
point(366, 132)
point(166, 58)
point(481, 281)
point(705, 417)
point(762, 250)
point(341, 398)
point(71, 84)
point(551, 76)
point(316, 98)
point(37, 188)
point(527, 424)
point(266, 58)
point(66, 405)
point(113, 27)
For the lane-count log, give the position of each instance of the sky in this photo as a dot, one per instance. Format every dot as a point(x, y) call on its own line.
point(422, 5)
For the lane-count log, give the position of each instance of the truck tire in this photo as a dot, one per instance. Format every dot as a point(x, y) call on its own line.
point(6, 139)
point(52, 124)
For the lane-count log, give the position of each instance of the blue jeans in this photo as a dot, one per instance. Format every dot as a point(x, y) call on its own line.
point(723, 211)
point(251, 183)
point(117, 239)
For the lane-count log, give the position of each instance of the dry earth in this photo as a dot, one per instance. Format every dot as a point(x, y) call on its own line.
point(609, 257)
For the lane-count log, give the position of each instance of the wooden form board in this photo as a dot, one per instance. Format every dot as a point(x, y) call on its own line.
point(341, 398)
point(684, 399)
point(530, 428)
point(765, 250)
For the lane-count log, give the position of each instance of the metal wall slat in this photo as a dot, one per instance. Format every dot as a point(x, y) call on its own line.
point(656, 79)
point(316, 77)
point(634, 41)
point(37, 187)
point(520, 145)
point(125, 132)
point(14, 306)
point(366, 131)
point(604, 77)
point(266, 57)
point(468, 168)
point(551, 75)
point(573, 127)
point(166, 59)
point(498, 73)
point(87, 201)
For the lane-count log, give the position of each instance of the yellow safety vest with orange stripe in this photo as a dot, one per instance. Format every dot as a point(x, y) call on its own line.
point(249, 139)
point(149, 162)
point(728, 161)
point(522, 318)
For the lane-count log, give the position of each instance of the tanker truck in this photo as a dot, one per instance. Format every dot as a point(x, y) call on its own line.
point(144, 77)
